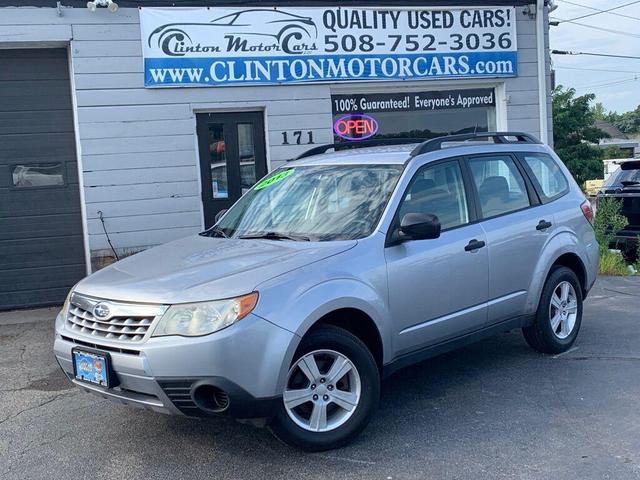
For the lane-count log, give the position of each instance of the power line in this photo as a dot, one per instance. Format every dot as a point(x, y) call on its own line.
point(561, 67)
point(592, 88)
point(598, 12)
point(602, 29)
point(607, 83)
point(567, 52)
point(604, 87)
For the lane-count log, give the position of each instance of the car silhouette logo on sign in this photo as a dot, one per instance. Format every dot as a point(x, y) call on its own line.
point(240, 31)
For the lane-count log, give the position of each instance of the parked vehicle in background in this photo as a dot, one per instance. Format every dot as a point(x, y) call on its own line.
point(333, 272)
point(624, 185)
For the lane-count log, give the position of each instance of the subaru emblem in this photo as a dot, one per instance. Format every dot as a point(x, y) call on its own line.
point(101, 311)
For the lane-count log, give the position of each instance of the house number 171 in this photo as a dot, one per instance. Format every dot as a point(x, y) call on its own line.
point(297, 138)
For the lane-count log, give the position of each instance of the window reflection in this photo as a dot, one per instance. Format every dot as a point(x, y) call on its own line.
point(322, 203)
point(218, 155)
point(431, 124)
point(247, 156)
point(38, 175)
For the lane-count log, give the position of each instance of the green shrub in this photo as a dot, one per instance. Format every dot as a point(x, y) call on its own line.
point(608, 221)
point(612, 263)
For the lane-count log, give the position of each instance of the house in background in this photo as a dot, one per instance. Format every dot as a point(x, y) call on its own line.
point(630, 147)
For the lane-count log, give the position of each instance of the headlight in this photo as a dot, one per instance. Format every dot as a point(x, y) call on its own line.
point(195, 319)
point(67, 304)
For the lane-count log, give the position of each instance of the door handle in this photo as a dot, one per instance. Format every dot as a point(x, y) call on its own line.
point(543, 225)
point(474, 245)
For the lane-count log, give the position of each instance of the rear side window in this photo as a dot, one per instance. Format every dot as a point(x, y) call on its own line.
point(500, 185)
point(550, 180)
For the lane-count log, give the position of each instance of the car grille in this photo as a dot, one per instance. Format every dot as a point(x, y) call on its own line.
point(124, 323)
point(116, 328)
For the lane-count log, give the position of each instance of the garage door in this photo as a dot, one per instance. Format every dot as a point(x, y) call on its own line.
point(41, 243)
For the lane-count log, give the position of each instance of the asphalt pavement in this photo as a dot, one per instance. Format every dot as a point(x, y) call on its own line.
point(494, 410)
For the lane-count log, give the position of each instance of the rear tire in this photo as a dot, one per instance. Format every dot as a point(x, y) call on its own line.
point(332, 390)
point(559, 315)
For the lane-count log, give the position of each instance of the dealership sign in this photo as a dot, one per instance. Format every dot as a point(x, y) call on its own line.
point(257, 46)
point(413, 101)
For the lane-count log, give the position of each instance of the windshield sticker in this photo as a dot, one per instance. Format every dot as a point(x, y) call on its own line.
point(278, 177)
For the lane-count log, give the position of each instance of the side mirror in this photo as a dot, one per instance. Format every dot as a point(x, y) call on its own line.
point(220, 214)
point(420, 226)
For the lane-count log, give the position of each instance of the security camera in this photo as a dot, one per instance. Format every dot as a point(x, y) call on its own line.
point(110, 4)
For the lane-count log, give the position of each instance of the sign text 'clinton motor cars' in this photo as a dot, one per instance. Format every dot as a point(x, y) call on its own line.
point(222, 46)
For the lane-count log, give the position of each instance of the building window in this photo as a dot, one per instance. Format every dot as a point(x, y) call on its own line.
point(38, 175)
point(412, 114)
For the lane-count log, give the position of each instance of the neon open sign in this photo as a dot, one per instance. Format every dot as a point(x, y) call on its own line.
point(355, 126)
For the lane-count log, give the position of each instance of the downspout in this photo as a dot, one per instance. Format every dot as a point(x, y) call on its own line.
point(542, 71)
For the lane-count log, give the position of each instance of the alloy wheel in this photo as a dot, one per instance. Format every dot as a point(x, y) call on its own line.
point(323, 390)
point(563, 310)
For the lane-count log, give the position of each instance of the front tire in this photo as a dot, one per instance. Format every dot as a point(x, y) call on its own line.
point(559, 315)
point(332, 390)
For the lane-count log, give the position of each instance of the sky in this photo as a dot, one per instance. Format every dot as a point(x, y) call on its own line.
point(618, 88)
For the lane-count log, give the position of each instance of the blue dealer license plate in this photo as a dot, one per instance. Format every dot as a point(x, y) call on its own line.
point(91, 367)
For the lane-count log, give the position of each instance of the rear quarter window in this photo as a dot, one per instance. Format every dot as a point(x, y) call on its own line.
point(547, 176)
point(627, 174)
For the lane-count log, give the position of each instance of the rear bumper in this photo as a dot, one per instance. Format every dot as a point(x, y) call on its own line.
point(239, 367)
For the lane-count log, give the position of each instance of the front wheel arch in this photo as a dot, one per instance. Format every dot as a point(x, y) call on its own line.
point(358, 323)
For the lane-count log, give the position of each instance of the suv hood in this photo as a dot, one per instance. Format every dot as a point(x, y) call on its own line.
point(197, 268)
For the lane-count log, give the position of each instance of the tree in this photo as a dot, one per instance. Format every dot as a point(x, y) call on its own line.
point(613, 151)
point(627, 122)
point(599, 112)
point(574, 134)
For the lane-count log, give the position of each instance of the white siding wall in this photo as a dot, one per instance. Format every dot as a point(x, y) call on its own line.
point(138, 146)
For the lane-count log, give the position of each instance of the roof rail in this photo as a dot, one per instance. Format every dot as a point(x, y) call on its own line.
point(378, 142)
point(498, 137)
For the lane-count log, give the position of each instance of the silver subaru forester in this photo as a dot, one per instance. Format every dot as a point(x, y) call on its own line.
point(332, 273)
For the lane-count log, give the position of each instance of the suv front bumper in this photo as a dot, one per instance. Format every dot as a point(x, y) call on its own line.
point(240, 366)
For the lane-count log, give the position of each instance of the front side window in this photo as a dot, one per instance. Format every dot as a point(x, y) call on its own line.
point(500, 185)
point(318, 203)
point(551, 181)
point(438, 190)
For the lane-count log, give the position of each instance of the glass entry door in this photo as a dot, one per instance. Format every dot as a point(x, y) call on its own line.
point(232, 158)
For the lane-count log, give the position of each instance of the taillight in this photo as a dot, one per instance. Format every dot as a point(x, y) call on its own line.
point(587, 211)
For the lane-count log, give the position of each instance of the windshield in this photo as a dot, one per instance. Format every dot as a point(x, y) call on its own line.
point(317, 203)
point(628, 174)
